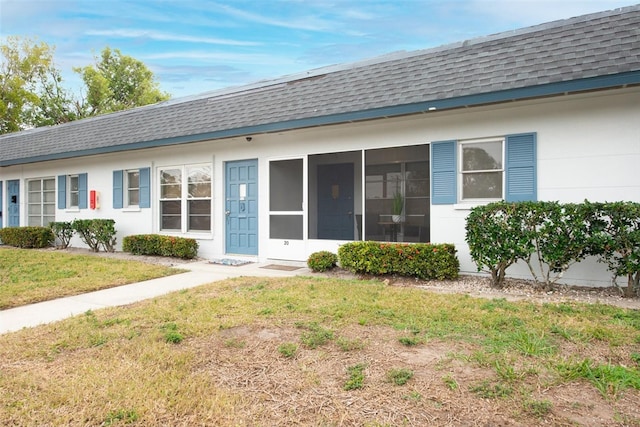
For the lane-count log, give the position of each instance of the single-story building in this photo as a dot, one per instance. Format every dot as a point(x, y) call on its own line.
point(279, 169)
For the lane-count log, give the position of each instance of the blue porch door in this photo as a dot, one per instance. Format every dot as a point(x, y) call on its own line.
point(241, 207)
point(335, 201)
point(13, 203)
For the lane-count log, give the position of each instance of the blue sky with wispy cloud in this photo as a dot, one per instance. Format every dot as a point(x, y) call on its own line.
point(194, 46)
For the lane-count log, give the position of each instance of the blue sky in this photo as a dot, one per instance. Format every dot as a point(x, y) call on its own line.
point(194, 46)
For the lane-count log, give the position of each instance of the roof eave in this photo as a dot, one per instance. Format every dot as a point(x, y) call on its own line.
point(509, 95)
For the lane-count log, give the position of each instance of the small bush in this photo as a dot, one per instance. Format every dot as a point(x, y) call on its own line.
point(322, 261)
point(96, 233)
point(63, 232)
point(315, 336)
point(356, 377)
point(27, 237)
point(288, 349)
point(171, 333)
point(422, 260)
point(399, 376)
point(155, 244)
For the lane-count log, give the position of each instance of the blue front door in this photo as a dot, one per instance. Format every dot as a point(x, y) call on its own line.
point(335, 202)
point(13, 203)
point(241, 207)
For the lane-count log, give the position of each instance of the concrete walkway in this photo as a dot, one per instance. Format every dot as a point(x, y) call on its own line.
point(200, 273)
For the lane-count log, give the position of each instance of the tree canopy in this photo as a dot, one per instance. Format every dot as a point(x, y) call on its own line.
point(32, 92)
point(118, 82)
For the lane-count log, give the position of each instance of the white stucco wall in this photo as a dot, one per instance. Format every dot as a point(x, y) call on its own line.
point(588, 148)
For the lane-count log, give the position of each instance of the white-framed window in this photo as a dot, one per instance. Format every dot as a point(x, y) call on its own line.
point(41, 201)
point(132, 184)
point(72, 191)
point(481, 166)
point(185, 198)
point(73, 188)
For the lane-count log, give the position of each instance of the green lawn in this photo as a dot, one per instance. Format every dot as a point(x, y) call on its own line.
point(28, 276)
point(325, 352)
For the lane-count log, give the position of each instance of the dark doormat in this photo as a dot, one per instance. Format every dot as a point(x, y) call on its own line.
point(281, 267)
point(229, 261)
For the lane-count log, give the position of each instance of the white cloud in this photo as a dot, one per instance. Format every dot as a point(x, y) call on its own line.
point(168, 37)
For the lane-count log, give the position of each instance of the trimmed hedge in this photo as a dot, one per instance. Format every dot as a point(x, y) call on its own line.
point(96, 232)
point(155, 244)
point(63, 231)
point(322, 261)
point(422, 260)
point(550, 237)
point(27, 237)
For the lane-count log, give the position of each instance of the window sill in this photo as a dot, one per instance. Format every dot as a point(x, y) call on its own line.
point(131, 209)
point(189, 234)
point(72, 210)
point(467, 206)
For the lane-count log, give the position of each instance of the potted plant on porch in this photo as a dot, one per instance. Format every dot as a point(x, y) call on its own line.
point(398, 207)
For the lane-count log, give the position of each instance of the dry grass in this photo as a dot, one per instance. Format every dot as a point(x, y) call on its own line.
point(28, 276)
point(474, 362)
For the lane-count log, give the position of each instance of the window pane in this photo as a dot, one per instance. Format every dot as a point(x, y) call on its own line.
point(35, 209)
point(170, 213)
point(170, 176)
point(285, 227)
point(73, 184)
point(200, 189)
point(134, 197)
point(133, 179)
point(199, 207)
point(74, 199)
point(199, 174)
point(200, 215)
point(482, 156)
point(201, 223)
point(173, 191)
point(50, 184)
point(49, 197)
point(482, 185)
point(391, 171)
point(199, 181)
point(285, 185)
point(34, 185)
point(34, 197)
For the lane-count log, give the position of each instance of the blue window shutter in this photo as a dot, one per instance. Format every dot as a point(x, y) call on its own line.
point(443, 173)
point(62, 191)
point(521, 168)
point(145, 188)
point(117, 189)
point(82, 191)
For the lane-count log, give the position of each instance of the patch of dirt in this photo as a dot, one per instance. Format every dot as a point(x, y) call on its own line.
point(308, 388)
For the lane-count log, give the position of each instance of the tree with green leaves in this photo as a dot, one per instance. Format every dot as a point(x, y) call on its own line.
point(118, 82)
point(31, 94)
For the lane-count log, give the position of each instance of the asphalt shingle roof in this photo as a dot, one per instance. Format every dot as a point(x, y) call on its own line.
point(599, 45)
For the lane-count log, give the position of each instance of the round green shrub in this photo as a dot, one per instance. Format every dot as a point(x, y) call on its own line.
point(322, 261)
